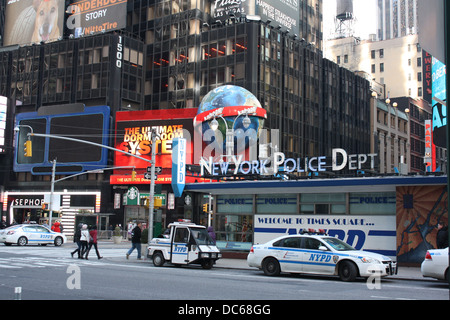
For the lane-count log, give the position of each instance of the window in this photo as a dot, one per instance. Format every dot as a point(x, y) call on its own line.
point(372, 54)
point(373, 68)
point(419, 62)
point(293, 242)
point(181, 235)
point(381, 53)
point(311, 243)
point(381, 67)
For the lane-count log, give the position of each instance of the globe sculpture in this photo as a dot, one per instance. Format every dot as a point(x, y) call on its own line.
point(231, 108)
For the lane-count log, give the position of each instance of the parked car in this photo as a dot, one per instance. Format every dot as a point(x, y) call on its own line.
point(318, 254)
point(435, 264)
point(23, 234)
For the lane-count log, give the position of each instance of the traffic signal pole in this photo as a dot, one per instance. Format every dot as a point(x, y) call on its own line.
point(152, 163)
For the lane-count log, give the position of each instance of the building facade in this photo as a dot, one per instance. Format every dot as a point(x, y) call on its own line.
point(169, 56)
point(397, 18)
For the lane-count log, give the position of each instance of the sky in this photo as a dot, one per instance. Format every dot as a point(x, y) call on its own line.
point(364, 12)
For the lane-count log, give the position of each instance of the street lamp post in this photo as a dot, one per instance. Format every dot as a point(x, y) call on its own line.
point(229, 142)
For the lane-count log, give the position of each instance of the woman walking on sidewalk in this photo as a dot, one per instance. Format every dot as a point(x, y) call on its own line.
point(93, 242)
point(84, 239)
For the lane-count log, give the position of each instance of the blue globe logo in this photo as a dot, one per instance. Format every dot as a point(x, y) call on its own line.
point(233, 109)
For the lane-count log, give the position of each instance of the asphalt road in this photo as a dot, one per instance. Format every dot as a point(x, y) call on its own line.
point(50, 273)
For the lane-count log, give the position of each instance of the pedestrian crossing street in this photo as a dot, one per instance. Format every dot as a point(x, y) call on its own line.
point(45, 257)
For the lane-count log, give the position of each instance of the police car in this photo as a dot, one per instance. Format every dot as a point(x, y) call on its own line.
point(435, 264)
point(23, 234)
point(316, 253)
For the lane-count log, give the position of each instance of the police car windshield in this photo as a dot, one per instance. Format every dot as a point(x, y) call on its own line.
point(338, 245)
point(201, 236)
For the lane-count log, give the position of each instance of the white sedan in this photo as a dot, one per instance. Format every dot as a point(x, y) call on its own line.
point(435, 264)
point(318, 254)
point(23, 234)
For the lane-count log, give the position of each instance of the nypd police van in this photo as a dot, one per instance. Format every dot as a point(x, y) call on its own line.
point(186, 243)
point(317, 253)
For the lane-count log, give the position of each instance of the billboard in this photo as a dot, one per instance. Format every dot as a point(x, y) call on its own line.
point(283, 14)
point(439, 89)
point(92, 125)
point(93, 16)
point(134, 135)
point(3, 118)
point(33, 21)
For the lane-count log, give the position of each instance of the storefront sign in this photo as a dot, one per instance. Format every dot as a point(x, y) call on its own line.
point(28, 202)
point(340, 160)
point(369, 233)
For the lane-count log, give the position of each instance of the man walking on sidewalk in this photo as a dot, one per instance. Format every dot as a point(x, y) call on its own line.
point(136, 241)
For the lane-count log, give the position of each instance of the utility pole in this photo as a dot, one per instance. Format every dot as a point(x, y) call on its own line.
point(52, 190)
point(152, 188)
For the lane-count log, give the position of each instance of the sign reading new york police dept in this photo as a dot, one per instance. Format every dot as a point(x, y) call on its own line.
point(178, 166)
point(339, 161)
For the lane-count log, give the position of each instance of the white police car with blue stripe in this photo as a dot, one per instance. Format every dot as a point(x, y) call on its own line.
point(315, 253)
point(23, 234)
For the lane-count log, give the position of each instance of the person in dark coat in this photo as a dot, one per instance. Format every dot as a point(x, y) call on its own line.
point(136, 241)
point(76, 239)
point(93, 242)
point(442, 236)
point(212, 234)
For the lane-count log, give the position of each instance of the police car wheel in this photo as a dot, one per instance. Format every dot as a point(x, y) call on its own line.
point(58, 241)
point(207, 264)
point(22, 241)
point(271, 267)
point(347, 271)
point(158, 259)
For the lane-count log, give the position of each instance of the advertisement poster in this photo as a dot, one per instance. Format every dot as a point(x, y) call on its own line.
point(419, 210)
point(439, 88)
point(33, 21)
point(94, 16)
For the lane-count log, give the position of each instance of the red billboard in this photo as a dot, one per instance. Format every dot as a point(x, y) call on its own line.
point(134, 131)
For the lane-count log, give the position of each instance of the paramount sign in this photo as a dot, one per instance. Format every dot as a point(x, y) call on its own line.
point(340, 160)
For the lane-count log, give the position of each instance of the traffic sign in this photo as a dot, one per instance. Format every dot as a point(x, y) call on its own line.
point(148, 176)
point(157, 169)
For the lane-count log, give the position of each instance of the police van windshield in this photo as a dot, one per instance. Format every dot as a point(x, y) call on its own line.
point(201, 236)
point(337, 244)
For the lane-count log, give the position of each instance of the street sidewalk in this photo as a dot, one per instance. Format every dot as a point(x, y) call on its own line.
point(404, 273)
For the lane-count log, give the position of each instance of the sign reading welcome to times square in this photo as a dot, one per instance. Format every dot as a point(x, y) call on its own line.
point(279, 13)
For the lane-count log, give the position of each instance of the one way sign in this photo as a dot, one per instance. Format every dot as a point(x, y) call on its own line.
point(157, 169)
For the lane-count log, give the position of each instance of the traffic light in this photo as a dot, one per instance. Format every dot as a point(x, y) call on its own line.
point(133, 175)
point(205, 208)
point(28, 149)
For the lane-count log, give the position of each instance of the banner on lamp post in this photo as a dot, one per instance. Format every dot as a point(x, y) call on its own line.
point(178, 166)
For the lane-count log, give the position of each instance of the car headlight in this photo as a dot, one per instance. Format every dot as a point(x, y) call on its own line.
point(204, 255)
point(369, 260)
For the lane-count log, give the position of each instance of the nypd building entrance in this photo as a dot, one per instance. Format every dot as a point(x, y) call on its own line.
point(393, 216)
